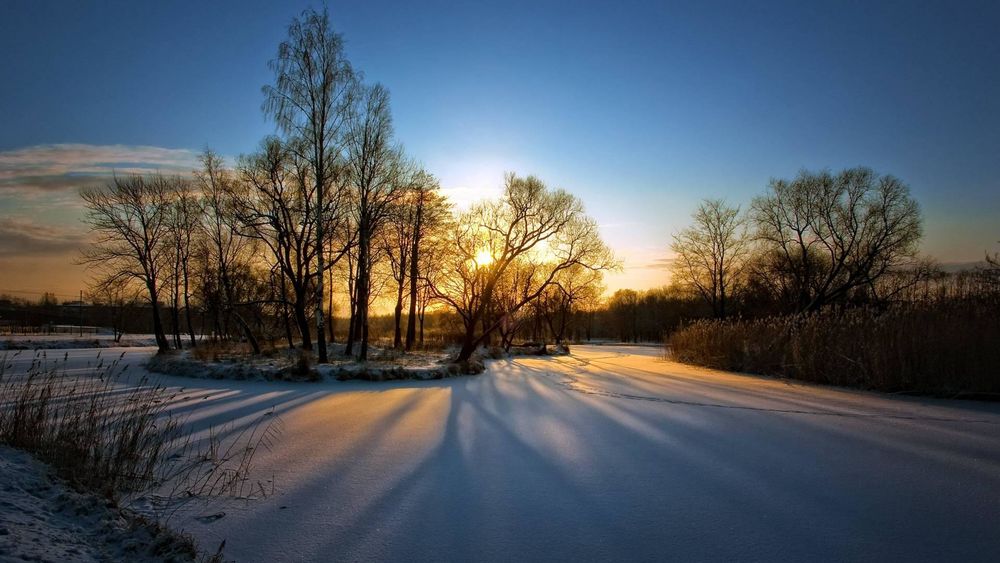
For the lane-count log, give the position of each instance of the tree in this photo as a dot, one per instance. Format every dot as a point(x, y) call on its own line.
point(185, 223)
point(825, 237)
point(529, 224)
point(624, 308)
point(711, 253)
point(572, 288)
point(511, 289)
point(130, 221)
point(311, 99)
point(376, 172)
point(227, 251)
point(989, 272)
point(120, 297)
point(431, 262)
point(431, 216)
point(418, 214)
point(397, 242)
point(275, 206)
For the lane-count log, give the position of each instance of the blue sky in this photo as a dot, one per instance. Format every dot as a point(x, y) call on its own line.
point(641, 109)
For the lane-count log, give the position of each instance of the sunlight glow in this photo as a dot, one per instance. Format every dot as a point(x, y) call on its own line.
point(483, 258)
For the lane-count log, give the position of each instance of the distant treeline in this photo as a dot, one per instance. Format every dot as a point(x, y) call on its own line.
point(821, 280)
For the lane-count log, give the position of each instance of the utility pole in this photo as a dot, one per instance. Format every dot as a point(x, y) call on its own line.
point(80, 307)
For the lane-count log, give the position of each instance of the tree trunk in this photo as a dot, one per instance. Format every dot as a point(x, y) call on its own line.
point(352, 284)
point(284, 312)
point(423, 313)
point(469, 343)
point(329, 310)
point(320, 272)
point(364, 286)
point(301, 319)
point(187, 308)
point(162, 344)
point(411, 321)
point(397, 340)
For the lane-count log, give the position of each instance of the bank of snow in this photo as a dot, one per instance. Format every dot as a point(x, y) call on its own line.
point(294, 365)
point(72, 341)
point(43, 519)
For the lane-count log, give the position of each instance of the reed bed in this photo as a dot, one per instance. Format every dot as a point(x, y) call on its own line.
point(948, 347)
point(116, 436)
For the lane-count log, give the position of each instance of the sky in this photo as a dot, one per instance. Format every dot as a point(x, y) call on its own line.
point(640, 109)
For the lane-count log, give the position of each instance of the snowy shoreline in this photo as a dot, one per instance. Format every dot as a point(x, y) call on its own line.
point(43, 518)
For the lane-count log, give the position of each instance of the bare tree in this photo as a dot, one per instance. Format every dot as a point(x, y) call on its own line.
point(431, 216)
point(275, 206)
point(417, 215)
point(529, 224)
point(311, 99)
point(558, 305)
point(711, 254)
point(227, 250)
point(397, 246)
point(511, 289)
point(130, 220)
point(624, 308)
point(989, 272)
point(185, 223)
point(376, 172)
point(827, 236)
point(121, 297)
point(432, 261)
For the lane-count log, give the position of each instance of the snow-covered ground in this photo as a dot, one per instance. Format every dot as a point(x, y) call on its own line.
point(43, 519)
point(72, 341)
point(609, 454)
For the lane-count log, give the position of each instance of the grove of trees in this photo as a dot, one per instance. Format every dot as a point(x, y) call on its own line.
point(260, 251)
point(819, 239)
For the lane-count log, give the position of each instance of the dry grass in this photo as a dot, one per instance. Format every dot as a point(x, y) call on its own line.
point(944, 347)
point(100, 436)
point(119, 438)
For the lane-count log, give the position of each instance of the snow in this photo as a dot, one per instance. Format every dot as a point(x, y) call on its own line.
point(43, 519)
point(283, 365)
point(613, 454)
point(72, 341)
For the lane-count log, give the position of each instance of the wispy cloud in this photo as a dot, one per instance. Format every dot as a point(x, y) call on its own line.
point(21, 237)
point(58, 168)
point(658, 264)
point(39, 207)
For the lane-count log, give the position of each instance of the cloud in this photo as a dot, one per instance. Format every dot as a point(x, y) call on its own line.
point(658, 264)
point(47, 169)
point(25, 238)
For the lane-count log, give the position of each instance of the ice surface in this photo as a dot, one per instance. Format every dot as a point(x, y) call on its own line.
point(608, 454)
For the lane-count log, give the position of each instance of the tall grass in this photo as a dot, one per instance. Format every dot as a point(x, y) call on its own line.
point(115, 436)
point(942, 347)
point(97, 434)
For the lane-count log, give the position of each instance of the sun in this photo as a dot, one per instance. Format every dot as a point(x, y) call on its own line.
point(483, 258)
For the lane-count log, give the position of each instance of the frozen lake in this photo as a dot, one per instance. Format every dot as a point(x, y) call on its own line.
point(610, 454)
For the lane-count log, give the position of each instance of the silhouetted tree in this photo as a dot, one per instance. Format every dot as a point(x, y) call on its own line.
point(130, 219)
point(711, 253)
point(825, 236)
point(528, 224)
point(311, 99)
point(377, 174)
point(227, 251)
